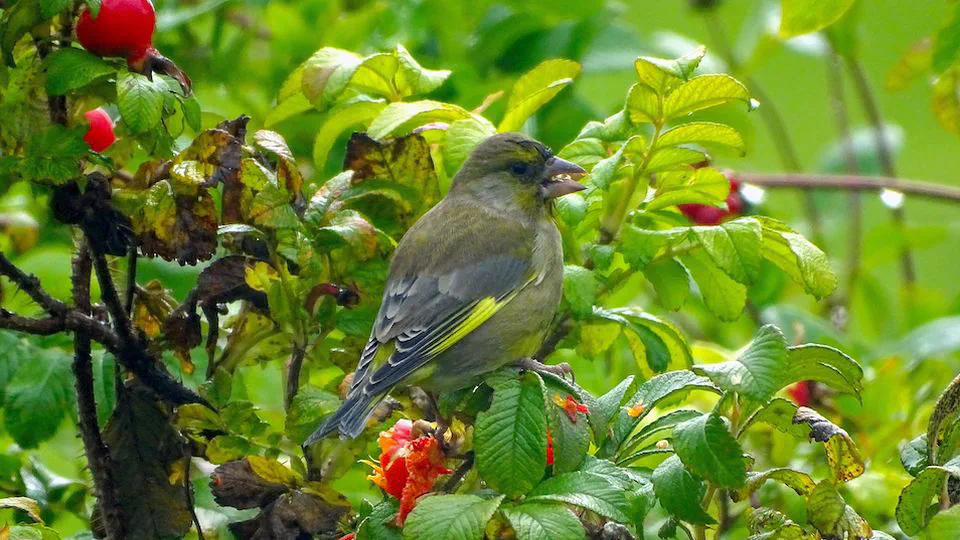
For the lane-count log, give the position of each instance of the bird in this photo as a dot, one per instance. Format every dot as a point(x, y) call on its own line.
point(473, 285)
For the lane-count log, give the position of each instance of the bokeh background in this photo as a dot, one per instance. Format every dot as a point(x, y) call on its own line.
point(239, 53)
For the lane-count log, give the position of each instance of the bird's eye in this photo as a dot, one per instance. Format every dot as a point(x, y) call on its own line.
point(520, 168)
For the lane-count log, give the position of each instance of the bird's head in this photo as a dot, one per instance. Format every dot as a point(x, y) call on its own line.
point(511, 167)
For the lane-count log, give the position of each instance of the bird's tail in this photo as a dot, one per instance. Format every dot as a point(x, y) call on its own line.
point(350, 419)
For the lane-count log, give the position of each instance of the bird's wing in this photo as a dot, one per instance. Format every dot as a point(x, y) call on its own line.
point(441, 288)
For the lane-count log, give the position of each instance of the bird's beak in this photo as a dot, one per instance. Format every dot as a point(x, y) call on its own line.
point(560, 177)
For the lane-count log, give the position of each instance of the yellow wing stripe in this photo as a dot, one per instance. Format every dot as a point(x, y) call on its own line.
point(481, 312)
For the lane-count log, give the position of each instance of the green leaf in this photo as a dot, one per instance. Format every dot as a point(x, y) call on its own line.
point(586, 490)
point(804, 262)
point(69, 69)
point(946, 100)
point(843, 456)
point(412, 78)
point(192, 113)
point(580, 289)
point(805, 16)
point(722, 295)
point(536, 521)
point(663, 75)
point(401, 118)
point(709, 134)
point(767, 524)
point(676, 159)
point(825, 364)
point(651, 392)
point(53, 155)
point(680, 492)
point(663, 343)
point(379, 525)
point(462, 137)
point(18, 19)
point(779, 414)
point(309, 407)
point(38, 397)
point(705, 445)
point(605, 171)
point(271, 209)
point(511, 436)
point(571, 438)
point(644, 105)
point(326, 75)
point(758, 372)
point(831, 515)
point(358, 112)
point(914, 455)
point(945, 524)
point(272, 471)
point(734, 247)
point(671, 282)
point(450, 517)
point(603, 409)
point(614, 128)
point(535, 88)
point(912, 509)
point(947, 43)
point(704, 92)
point(800, 482)
point(140, 101)
point(689, 186)
point(939, 337)
point(585, 152)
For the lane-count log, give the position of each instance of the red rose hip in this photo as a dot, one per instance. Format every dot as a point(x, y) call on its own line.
point(122, 28)
point(100, 135)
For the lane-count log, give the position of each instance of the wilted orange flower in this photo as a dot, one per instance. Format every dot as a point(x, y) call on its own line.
point(570, 406)
point(408, 467)
point(636, 410)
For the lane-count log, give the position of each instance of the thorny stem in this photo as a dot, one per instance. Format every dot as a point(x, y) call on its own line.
point(872, 111)
point(772, 118)
point(98, 455)
point(854, 207)
point(131, 290)
point(294, 365)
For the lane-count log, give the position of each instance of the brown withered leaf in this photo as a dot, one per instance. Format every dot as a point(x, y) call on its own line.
point(176, 227)
point(223, 282)
point(235, 484)
point(296, 514)
point(152, 304)
point(843, 456)
point(144, 447)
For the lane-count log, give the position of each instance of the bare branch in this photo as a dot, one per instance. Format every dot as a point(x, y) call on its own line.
point(916, 188)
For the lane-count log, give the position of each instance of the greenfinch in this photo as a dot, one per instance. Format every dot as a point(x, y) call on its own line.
point(473, 285)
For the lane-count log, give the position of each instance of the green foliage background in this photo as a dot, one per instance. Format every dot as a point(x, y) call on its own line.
point(239, 53)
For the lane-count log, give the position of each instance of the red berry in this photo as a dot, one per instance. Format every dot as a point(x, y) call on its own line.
point(100, 135)
point(122, 28)
point(801, 393)
point(702, 214)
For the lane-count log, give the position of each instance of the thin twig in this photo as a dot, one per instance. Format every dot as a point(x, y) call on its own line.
point(872, 111)
point(772, 118)
point(458, 475)
point(838, 103)
point(188, 490)
point(916, 188)
point(98, 456)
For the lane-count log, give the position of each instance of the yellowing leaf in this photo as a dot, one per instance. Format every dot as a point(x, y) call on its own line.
point(946, 101)
point(535, 88)
point(260, 276)
point(25, 504)
point(272, 471)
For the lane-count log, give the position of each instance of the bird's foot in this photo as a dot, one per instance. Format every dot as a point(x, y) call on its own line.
point(561, 370)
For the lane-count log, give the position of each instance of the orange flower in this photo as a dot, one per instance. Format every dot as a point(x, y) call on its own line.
point(636, 410)
point(570, 406)
point(408, 467)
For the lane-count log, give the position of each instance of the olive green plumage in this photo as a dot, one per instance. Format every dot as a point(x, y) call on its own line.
point(473, 285)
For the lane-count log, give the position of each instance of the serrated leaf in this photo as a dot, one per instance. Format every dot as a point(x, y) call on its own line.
point(584, 489)
point(18, 19)
point(706, 447)
point(671, 282)
point(69, 69)
point(779, 414)
point(53, 155)
point(401, 118)
point(704, 134)
point(380, 524)
point(675, 159)
point(140, 101)
point(511, 436)
point(585, 152)
point(800, 482)
point(689, 186)
point(913, 508)
point(412, 78)
point(462, 137)
point(614, 128)
point(38, 397)
point(843, 456)
point(643, 106)
point(704, 92)
point(605, 170)
point(535, 88)
point(831, 515)
point(309, 407)
point(804, 262)
point(571, 438)
point(326, 74)
point(722, 295)
point(805, 16)
point(604, 408)
point(734, 247)
point(354, 113)
point(680, 492)
point(533, 521)
point(812, 362)
point(450, 517)
point(758, 372)
point(663, 75)
point(664, 344)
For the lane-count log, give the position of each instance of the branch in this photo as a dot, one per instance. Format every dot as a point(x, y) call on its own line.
point(98, 456)
point(293, 374)
point(916, 188)
point(872, 110)
point(31, 285)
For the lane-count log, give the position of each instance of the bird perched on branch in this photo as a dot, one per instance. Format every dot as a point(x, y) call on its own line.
point(473, 285)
